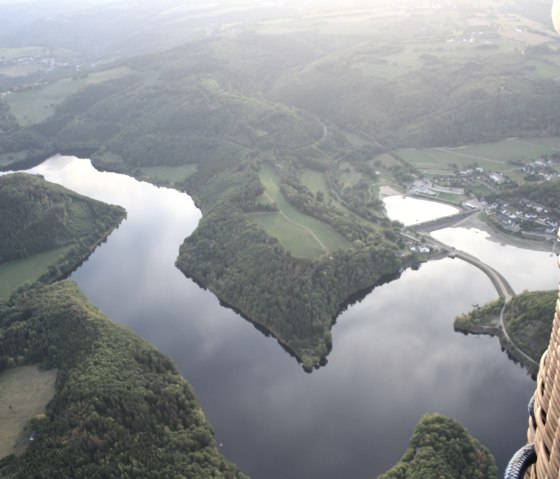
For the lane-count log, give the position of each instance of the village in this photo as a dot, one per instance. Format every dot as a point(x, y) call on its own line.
point(474, 188)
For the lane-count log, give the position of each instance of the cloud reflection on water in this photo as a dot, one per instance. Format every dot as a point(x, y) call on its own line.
point(395, 354)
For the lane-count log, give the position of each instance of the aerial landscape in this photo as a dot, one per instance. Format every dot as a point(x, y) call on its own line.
point(275, 239)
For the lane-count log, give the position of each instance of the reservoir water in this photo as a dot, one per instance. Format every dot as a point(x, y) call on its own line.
point(395, 355)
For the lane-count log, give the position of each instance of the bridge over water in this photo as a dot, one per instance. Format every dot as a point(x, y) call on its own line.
point(444, 222)
point(415, 232)
point(504, 289)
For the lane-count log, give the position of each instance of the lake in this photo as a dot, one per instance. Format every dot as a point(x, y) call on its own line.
point(395, 355)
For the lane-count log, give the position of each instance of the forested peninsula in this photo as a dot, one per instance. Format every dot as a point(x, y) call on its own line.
point(282, 240)
point(528, 321)
point(442, 448)
point(47, 230)
point(120, 409)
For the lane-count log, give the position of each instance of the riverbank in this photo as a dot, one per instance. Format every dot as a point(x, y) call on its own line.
point(477, 221)
point(527, 320)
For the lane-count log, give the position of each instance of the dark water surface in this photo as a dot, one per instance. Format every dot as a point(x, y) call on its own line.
point(395, 354)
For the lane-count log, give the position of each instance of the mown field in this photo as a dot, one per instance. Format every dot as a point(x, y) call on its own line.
point(300, 234)
point(35, 105)
point(15, 273)
point(24, 393)
point(495, 156)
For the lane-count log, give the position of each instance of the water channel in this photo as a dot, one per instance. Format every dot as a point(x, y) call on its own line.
point(395, 355)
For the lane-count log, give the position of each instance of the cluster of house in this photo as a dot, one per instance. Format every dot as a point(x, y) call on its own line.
point(418, 248)
point(44, 59)
point(541, 170)
point(526, 215)
point(456, 185)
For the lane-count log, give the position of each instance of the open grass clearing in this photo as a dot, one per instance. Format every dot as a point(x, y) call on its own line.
point(36, 105)
point(171, 174)
point(348, 175)
point(24, 393)
point(106, 75)
point(288, 234)
point(543, 70)
point(496, 156)
point(21, 70)
point(309, 228)
point(316, 182)
point(15, 273)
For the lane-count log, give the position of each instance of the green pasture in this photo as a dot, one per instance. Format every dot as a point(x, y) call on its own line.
point(496, 156)
point(299, 233)
point(21, 70)
point(348, 175)
point(355, 140)
point(290, 236)
point(315, 181)
point(15, 273)
point(36, 105)
point(106, 75)
point(171, 174)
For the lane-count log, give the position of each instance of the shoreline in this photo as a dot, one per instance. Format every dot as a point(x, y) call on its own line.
point(476, 222)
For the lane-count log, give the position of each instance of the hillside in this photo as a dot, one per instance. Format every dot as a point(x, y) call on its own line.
point(282, 139)
point(47, 230)
point(120, 409)
point(442, 448)
point(36, 216)
point(196, 118)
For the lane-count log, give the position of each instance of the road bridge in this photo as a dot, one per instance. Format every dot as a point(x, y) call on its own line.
point(503, 287)
point(505, 291)
point(445, 222)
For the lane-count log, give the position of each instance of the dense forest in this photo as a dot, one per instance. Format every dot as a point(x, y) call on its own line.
point(442, 448)
point(294, 298)
point(121, 409)
point(36, 216)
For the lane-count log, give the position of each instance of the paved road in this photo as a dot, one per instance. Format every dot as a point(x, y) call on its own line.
point(503, 287)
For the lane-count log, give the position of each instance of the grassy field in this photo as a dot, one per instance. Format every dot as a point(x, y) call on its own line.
point(15, 273)
point(497, 156)
point(172, 174)
point(348, 175)
point(35, 106)
point(21, 70)
point(315, 181)
point(24, 393)
point(106, 75)
point(300, 234)
point(292, 237)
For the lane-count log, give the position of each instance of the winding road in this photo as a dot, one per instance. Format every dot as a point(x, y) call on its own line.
point(503, 287)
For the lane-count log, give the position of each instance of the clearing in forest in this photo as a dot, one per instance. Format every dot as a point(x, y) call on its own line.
point(15, 273)
point(24, 393)
point(299, 233)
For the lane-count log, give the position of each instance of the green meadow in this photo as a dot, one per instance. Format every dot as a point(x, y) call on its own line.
point(299, 233)
point(15, 273)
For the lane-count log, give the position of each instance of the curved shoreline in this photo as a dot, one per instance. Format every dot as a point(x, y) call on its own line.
point(476, 222)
